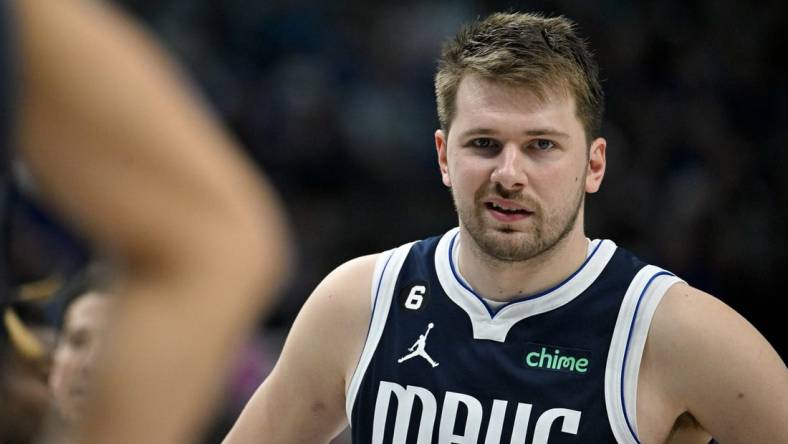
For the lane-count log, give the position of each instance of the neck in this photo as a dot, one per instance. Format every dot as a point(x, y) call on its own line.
point(505, 280)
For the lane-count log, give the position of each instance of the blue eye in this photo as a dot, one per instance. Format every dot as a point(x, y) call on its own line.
point(482, 142)
point(543, 144)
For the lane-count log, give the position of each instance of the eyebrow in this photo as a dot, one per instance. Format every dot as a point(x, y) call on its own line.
point(531, 132)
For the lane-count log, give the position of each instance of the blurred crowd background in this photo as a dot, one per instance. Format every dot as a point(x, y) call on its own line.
point(334, 100)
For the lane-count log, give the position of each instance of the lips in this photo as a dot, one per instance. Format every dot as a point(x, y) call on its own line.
point(80, 390)
point(78, 393)
point(506, 211)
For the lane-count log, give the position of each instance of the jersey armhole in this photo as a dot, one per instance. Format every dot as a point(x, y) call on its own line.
point(626, 349)
point(384, 279)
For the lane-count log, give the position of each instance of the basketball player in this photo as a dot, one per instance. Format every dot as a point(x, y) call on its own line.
point(542, 335)
point(122, 150)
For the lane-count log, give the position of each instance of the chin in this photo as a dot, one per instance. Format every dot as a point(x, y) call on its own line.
point(508, 245)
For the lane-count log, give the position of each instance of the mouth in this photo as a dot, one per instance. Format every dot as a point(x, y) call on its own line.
point(506, 211)
point(79, 392)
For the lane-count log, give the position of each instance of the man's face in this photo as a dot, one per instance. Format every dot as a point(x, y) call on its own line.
point(76, 353)
point(518, 168)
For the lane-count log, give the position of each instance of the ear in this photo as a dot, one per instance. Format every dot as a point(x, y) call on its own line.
point(596, 165)
point(441, 145)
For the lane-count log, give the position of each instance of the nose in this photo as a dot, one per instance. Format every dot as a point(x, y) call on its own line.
point(89, 358)
point(509, 171)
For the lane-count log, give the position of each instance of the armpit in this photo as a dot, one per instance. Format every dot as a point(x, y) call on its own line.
point(687, 430)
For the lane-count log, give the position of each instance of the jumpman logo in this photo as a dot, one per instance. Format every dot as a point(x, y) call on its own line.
point(417, 349)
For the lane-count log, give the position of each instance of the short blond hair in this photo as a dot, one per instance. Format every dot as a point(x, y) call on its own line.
point(543, 54)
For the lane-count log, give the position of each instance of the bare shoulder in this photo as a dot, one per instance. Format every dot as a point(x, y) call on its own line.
point(717, 367)
point(689, 320)
point(352, 278)
point(303, 400)
point(346, 291)
point(342, 302)
point(336, 315)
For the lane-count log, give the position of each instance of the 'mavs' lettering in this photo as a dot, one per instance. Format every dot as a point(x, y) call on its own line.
point(407, 396)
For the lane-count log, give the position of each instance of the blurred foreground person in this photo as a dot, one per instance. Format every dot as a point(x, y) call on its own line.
point(514, 327)
point(120, 148)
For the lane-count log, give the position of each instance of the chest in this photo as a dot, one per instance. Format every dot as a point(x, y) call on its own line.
point(432, 378)
point(561, 366)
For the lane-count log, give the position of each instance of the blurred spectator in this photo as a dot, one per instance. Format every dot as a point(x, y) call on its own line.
point(84, 326)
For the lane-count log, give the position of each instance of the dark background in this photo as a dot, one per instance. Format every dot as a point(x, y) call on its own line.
point(335, 101)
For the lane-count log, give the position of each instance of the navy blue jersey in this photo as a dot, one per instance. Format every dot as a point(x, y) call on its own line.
point(440, 365)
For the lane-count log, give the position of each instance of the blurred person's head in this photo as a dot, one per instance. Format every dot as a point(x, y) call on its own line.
point(85, 323)
point(542, 55)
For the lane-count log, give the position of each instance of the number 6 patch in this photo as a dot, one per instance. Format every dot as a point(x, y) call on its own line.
point(415, 295)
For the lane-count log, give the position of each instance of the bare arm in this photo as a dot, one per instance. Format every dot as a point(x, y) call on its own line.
point(303, 400)
point(716, 366)
point(120, 148)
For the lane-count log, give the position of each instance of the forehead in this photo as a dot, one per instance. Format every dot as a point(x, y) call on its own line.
point(90, 310)
point(488, 104)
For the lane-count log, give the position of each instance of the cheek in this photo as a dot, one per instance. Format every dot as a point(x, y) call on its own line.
point(56, 380)
point(553, 193)
point(560, 180)
point(469, 176)
point(62, 367)
point(550, 181)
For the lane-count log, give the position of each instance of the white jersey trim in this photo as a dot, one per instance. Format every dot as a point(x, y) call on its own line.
point(384, 279)
point(495, 325)
point(626, 349)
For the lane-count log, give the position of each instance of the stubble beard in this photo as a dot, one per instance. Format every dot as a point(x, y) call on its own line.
point(506, 244)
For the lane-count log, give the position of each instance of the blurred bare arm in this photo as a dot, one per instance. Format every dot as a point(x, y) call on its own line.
point(120, 147)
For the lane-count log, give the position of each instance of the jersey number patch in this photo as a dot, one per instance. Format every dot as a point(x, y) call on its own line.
point(414, 296)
